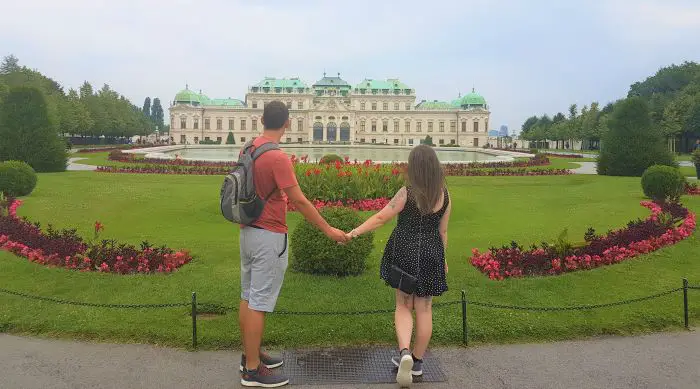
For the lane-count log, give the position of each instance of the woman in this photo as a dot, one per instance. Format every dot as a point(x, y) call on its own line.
point(416, 248)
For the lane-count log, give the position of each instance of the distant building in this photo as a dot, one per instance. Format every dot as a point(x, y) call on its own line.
point(494, 133)
point(503, 131)
point(333, 111)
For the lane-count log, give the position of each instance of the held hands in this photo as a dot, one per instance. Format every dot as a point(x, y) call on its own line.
point(337, 235)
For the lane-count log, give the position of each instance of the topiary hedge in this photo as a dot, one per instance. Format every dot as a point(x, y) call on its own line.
point(17, 178)
point(662, 183)
point(314, 253)
point(331, 158)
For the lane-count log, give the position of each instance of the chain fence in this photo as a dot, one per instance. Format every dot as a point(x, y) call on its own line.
point(206, 307)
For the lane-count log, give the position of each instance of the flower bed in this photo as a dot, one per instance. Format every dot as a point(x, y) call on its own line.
point(358, 205)
point(119, 156)
point(668, 224)
point(164, 169)
point(67, 249)
point(112, 148)
point(554, 155)
point(692, 189)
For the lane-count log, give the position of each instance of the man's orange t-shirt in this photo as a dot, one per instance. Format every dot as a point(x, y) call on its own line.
point(273, 172)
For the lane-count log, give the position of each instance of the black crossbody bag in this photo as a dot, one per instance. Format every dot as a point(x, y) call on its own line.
point(406, 282)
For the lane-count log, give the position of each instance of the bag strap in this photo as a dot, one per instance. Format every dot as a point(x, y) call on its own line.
point(260, 150)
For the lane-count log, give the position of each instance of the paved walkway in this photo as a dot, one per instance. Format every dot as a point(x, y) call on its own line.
point(79, 167)
point(586, 168)
point(666, 360)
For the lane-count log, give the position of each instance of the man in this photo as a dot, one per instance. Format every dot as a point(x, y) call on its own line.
point(697, 145)
point(264, 253)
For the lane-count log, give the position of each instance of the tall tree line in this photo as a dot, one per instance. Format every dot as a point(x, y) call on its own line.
point(83, 112)
point(673, 97)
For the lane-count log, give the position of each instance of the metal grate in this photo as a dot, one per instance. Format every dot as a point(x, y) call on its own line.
point(351, 366)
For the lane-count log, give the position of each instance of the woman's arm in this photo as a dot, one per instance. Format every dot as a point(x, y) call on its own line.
point(380, 218)
point(444, 221)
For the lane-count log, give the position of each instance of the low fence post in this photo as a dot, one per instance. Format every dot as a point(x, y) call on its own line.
point(194, 320)
point(685, 303)
point(465, 329)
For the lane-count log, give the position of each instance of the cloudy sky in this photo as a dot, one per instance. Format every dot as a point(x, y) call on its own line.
point(525, 56)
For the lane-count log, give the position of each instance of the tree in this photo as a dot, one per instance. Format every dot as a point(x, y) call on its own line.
point(28, 132)
point(147, 107)
point(76, 118)
point(631, 144)
point(157, 115)
point(230, 140)
point(529, 123)
point(10, 64)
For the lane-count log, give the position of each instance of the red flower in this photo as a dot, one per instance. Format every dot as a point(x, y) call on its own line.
point(98, 227)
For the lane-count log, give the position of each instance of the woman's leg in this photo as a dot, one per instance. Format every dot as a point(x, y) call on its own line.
point(403, 319)
point(424, 324)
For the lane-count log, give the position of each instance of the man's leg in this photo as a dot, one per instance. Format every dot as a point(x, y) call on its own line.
point(253, 324)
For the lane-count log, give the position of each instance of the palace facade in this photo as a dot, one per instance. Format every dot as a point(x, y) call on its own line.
point(333, 111)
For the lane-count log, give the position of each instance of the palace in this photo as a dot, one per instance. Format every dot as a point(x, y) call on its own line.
point(333, 111)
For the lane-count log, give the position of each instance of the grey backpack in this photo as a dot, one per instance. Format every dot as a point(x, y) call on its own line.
point(239, 201)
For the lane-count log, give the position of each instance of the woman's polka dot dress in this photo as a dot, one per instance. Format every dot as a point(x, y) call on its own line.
point(415, 246)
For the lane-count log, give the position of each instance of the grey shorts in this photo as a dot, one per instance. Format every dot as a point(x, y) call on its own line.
point(264, 259)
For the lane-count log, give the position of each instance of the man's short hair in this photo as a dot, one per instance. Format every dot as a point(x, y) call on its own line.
point(275, 115)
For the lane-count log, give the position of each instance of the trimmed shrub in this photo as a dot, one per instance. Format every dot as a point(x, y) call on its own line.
point(16, 178)
point(632, 144)
point(331, 158)
point(230, 140)
point(661, 183)
point(534, 151)
point(28, 133)
point(314, 253)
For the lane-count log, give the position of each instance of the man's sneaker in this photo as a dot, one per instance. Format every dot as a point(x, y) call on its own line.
point(269, 361)
point(416, 370)
point(405, 364)
point(262, 378)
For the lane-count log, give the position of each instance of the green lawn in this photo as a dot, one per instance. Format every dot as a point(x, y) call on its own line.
point(182, 212)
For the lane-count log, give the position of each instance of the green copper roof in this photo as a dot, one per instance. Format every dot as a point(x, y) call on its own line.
point(271, 82)
point(434, 105)
point(388, 84)
point(332, 82)
point(473, 98)
point(456, 103)
point(188, 96)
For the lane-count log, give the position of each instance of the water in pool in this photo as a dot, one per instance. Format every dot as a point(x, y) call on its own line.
point(384, 154)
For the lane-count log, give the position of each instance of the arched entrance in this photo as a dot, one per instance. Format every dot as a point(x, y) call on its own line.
point(318, 132)
point(345, 132)
point(331, 131)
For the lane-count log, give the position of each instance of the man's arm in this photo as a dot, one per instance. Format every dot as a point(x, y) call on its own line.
point(304, 206)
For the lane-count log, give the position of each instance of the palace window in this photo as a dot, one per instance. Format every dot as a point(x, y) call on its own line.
point(288, 140)
point(410, 142)
point(243, 139)
point(196, 140)
point(362, 125)
point(218, 139)
point(206, 123)
point(396, 125)
point(243, 125)
point(407, 126)
point(362, 140)
point(385, 106)
point(362, 106)
point(385, 126)
point(396, 141)
point(374, 140)
point(396, 106)
point(408, 106)
point(230, 124)
point(442, 126)
point(374, 106)
point(374, 126)
point(300, 105)
point(289, 105)
point(255, 104)
point(452, 141)
point(196, 123)
point(300, 125)
point(206, 138)
point(476, 142)
point(442, 141)
point(464, 126)
point(419, 126)
point(299, 140)
point(430, 126)
point(476, 126)
point(453, 126)
point(183, 123)
point(219, 125)
point(254, 124)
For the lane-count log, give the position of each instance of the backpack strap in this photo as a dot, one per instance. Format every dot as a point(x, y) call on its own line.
point(260, 150)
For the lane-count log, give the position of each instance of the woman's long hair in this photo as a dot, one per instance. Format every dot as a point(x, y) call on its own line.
point(425, 178)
